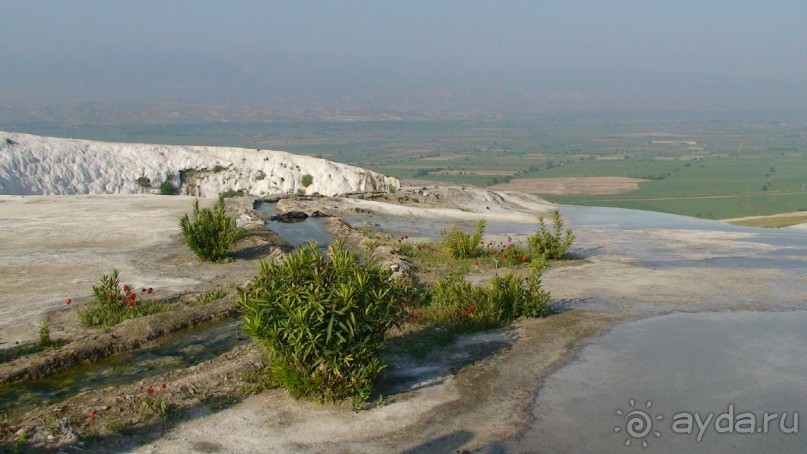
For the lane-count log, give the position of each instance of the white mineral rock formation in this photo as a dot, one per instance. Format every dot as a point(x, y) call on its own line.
point(46, 165)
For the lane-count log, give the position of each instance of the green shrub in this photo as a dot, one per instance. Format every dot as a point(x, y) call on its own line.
point(461, 244)
point(114, 303)
point(553, 244)
point(231, 193)
point(45, 340)
point(167, 186)
point(458, 304)
point(211, 233)
point(144, 182)
point(307, 180)
point(217, 168)
point(212, 295)
point(323, 321)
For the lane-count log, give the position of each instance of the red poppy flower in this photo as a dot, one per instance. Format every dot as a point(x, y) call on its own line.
point(470, 310)
point(164, 385)
point(127, 288)
point(133, 296)
point(150, 390)
point(91, 414)
point(69, 301)
point(523, 259)
point(149, 290)
point(131, 303)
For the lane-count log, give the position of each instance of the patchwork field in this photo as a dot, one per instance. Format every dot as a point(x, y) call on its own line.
point(709, 165)
point(572, 185)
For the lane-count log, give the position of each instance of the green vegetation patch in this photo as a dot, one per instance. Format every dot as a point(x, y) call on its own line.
point(114, 303)
point(211, 233)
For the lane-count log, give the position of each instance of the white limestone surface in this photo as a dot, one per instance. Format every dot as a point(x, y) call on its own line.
point(36, 165)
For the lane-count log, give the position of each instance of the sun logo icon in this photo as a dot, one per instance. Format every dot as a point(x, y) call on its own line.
point(638, 423)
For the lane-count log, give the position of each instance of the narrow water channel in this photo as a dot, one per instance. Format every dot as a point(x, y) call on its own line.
point(176, 351)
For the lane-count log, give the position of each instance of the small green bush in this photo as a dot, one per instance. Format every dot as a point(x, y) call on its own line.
point(45, 340)
point(167, 186)
point(457, 303)
point(551, 244)
point(144, 182)
point(323, 321)
point(217, 168)
point(461, 244)
point(212, 295)
point(211, 233)
point(114, 303)
point(231, 193)
point(307, 180)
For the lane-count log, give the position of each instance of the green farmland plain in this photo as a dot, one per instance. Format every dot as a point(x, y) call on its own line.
point(710, 166)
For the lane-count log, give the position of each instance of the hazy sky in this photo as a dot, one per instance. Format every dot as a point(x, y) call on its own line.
point(739, 42)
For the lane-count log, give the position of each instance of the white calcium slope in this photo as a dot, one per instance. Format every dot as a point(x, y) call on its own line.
point(46, 165)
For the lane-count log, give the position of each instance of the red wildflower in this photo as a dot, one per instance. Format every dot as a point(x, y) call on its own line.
point(405, 305)
point(127, 288)
point(470, 310)
point(91, 414)
point(458, 314)
point(150, 390)
point(504, 256)
point(69, 301)
point(149, 290)
point(133, 296)
point(164, 385)
point(523, 258)
point(131, 303)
